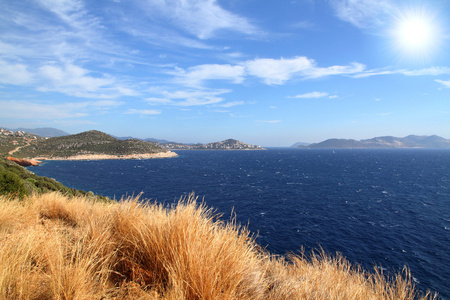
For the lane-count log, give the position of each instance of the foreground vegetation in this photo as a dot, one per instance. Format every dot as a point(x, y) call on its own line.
point(17, 182)
point(56, 247)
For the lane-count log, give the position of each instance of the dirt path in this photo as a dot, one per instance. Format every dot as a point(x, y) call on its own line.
point(18, 148)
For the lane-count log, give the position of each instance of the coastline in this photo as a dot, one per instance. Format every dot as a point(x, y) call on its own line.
point(167, 154)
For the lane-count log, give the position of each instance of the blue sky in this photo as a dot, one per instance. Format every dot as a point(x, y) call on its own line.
point(266, 72)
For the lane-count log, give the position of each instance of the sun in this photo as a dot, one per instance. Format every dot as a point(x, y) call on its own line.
point(416, 33)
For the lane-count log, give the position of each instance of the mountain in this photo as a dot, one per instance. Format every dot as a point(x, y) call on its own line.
point(411, 141)
point(43, 132)
point(300, 144)
point(87, 143)
point(230, 144)
point(158, 141)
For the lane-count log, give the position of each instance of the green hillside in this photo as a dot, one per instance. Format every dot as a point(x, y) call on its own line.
point(16, 181)
point(89, 142)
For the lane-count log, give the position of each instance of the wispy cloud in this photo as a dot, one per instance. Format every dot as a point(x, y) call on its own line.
point(363, 13)
point(311, 95)
point(231, 104)
point(445, 83)
point(271, 71)
point(316, 72)
point(202, 18)
point(133, 111)
point(188, 97)
point(314, 95)
point(432, 71)
point(195, 76)
point(16, 74)
point(277, 71)
point(76, 81)
point(35, 110)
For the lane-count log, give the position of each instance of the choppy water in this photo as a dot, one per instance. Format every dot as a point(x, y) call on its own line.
point(377, 207)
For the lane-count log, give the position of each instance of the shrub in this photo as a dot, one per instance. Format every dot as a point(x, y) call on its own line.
point(12, 184)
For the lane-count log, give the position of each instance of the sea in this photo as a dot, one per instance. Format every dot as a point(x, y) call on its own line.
point(384, 208)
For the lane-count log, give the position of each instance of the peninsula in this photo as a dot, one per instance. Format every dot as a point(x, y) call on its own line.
point(89, 145)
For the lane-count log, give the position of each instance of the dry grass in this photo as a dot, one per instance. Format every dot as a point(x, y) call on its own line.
point(53, 247)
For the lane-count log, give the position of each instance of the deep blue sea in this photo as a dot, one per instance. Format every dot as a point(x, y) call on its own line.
point(385, 208)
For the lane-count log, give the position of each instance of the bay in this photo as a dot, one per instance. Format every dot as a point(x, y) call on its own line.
point(387, 207)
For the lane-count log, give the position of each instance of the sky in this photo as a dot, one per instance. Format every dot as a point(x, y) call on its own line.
point(265, 72)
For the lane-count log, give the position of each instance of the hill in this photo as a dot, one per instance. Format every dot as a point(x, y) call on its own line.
point(87, 143)
point(11, 140)
point(230, 144)
point(411, 141)
point(17, 182)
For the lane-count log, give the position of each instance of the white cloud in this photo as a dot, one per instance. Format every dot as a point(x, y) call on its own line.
point(363, 13)
point(62, 8)
point(432, 71)
point(353, 68)
point(445, 83)
point(202, 18)
point(312, 95)
point(158, 101)
point(373, 73)
point(16, 74)
point(15, 109)
point(277, 71)
point(76, 81)
point(188, 97)
point(132, 111)
point(71, 76)
point(271, 71)
point(231, 104)
point(195, 76)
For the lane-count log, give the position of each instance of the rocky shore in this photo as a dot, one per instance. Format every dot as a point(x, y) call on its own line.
point(167, 154)
point(24, 162)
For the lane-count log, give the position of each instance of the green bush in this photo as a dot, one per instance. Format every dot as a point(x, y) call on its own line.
point(16, 181)
point(12, 184)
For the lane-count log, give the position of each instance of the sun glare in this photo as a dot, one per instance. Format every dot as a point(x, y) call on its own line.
point(416, 34)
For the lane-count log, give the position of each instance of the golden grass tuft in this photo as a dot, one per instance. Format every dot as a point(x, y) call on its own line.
point(53, 247)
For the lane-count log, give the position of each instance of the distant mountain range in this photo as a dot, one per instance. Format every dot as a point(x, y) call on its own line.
point(42, 132)
point(300, 144)
point(411, 141)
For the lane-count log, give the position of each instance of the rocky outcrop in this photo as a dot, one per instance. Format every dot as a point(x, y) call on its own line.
point(24, 162)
